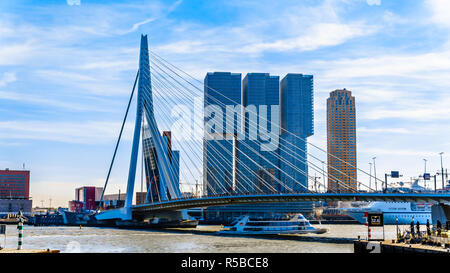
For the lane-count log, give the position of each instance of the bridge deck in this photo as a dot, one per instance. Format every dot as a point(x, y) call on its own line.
point(275, 198)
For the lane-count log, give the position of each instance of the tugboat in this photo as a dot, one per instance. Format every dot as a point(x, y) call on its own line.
point(296, 224)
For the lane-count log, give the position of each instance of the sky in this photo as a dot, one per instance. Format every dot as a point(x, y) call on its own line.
point(67, 69)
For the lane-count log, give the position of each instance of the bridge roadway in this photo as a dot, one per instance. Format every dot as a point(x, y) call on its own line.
point(186, 203)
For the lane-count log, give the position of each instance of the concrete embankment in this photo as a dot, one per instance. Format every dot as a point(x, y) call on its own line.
point(363, 246)
point(12, 250)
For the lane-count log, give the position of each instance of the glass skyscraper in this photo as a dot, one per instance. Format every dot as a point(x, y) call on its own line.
point(258, 169)
point(296, 103)
point(243, 160)
point(151, 164)
point(220, 89)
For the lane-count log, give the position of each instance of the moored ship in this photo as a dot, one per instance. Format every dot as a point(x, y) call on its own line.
point(404, 212)
point(296, 224)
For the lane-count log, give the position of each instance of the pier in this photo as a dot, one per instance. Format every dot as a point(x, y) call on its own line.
point(364, 246)
point(14, 250)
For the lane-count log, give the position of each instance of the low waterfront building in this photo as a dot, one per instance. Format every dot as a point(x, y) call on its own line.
point(13, 206)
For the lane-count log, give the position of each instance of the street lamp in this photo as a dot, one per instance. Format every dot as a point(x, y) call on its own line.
point(425, 175)
point(375, 173)
point(394, 174)
point(370, 176)
point(442, 170)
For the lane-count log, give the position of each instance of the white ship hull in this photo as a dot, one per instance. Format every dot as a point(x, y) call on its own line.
point(393, 211)
point(297, 224)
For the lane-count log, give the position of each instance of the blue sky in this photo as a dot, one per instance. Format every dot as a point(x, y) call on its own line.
point(66, 70)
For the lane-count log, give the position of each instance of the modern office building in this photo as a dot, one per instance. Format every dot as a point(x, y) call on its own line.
point(14, 184)
point(151, 165)
point(221, 89)
point(86, 198)
point(297, 119)
point(257, 168)
point(341, 141)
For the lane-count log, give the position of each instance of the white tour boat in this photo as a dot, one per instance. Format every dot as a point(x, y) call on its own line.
point(296, 224)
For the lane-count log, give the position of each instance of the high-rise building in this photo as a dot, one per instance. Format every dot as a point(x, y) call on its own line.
point(296, 103)
point(220, 89)
point(257, 169)
point(341, 141)
point(151, 164)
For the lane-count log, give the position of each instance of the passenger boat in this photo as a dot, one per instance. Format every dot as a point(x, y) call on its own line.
point(296, 224)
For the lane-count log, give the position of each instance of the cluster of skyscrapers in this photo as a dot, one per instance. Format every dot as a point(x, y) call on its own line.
point(235, 161)
point(273, 115)
point(268, 131)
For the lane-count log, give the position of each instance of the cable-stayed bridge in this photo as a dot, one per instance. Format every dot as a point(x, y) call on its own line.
point(165, 91)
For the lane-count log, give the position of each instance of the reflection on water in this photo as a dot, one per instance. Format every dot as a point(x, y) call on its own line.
point(90, 239)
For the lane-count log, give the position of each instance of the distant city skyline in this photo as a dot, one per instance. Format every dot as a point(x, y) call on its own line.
point(66, 73)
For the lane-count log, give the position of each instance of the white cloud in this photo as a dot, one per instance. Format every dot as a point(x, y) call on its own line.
point(440, 11)
point(320, 35)
point(14, 54)
point(89, 132)
point(152, 19)
point(7, 77)
point(373, 2)
point(384, 130)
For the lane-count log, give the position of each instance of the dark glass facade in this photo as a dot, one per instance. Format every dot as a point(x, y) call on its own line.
point(221, 89)
point(296, 97)
point(257, 169)
point(151, 164)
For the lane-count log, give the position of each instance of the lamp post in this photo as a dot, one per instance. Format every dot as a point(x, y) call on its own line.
point(370, 176)
point(424, 173)
point(394, 174)
point(375, 173)
point(442, 170)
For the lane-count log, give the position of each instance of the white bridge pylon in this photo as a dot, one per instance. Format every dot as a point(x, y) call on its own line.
point(167, 181)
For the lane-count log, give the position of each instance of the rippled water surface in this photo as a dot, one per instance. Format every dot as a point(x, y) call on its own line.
point(91, 239)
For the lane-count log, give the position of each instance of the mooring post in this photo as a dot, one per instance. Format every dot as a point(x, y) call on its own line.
point(20, 228)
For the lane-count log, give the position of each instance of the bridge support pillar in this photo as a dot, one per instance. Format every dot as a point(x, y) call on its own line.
point(165, 215)
point(440, 212)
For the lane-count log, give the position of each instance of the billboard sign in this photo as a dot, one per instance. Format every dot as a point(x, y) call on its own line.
point(375, 219)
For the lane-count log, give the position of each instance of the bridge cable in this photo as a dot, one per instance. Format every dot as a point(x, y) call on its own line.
point(118, 140)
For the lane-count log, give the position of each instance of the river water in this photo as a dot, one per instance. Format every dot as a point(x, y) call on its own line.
point(339, 239)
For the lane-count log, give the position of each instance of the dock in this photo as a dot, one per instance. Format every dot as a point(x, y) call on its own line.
point(364, 246)
point(13, 250)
